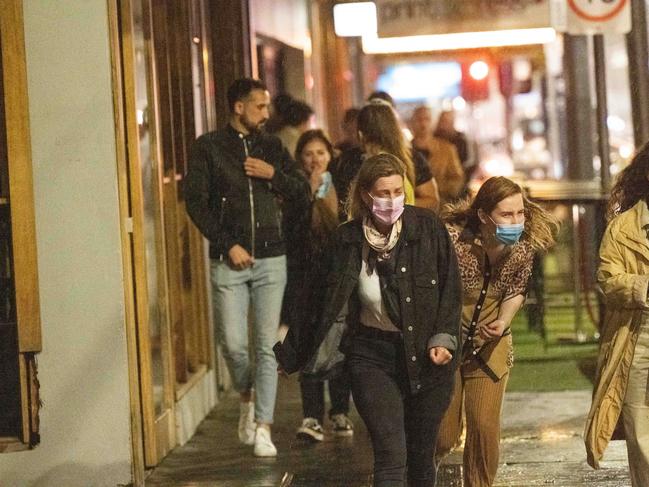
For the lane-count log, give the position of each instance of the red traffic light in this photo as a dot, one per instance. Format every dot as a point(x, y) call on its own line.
point(475, 81)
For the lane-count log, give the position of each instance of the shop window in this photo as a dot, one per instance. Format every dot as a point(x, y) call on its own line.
point(20, 337)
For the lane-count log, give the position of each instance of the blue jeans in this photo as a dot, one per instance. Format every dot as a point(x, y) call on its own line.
point(232, 292)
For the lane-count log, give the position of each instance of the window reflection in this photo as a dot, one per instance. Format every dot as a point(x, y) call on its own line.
point(150, 203)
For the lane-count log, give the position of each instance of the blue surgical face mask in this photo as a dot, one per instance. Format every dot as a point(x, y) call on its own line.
point(508, 233)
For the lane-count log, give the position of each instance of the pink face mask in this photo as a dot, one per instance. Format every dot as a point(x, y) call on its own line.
point(387, 210)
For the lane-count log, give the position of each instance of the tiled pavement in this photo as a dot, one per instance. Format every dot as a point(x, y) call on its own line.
point(541, 445)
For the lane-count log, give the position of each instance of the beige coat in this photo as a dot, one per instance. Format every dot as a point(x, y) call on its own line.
point(623, 276)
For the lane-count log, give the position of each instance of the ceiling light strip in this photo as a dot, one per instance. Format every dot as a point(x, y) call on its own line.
point(461, 40)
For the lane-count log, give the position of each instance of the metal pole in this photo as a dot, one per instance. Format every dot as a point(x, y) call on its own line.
point(579, 116)
point(636, 46)
point(580, 145)
point(577, 271)
point(602, 111)
point(602, 130)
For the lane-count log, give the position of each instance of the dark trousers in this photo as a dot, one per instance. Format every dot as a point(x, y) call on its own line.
point(313, 396)
point(403, 426)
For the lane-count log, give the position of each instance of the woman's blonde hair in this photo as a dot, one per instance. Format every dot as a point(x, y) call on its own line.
point(378, 124)
point(541, 227)
point(374, 167)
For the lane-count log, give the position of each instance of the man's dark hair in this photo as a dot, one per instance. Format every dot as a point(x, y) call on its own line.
point(281, 103)
point(381, 95)
point(297, 113)
point(241, 88)
point(351, 115)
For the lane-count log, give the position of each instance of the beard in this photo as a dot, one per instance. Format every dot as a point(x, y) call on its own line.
point(250, 126)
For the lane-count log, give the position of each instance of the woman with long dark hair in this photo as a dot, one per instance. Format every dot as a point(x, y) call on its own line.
point(310, 229)
point(622, 378)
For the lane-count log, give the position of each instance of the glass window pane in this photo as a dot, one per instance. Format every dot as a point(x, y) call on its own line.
point(150, 202)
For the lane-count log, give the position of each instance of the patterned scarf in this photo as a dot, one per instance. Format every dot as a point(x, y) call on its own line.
point(382, 256)
point(381, 244)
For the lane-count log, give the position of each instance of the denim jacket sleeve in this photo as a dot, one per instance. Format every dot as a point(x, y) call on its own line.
point(449, 313)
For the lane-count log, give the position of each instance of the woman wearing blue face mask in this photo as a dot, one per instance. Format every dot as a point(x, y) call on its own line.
point(387, 309)
point(495, 237)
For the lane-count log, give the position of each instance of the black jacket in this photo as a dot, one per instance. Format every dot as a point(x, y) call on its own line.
point(430, 302)
point(228, 207)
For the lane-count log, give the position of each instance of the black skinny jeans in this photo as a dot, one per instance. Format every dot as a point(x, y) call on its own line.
point(403, 427)
point(313, 401)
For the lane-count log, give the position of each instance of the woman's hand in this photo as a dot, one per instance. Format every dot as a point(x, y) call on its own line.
point(492, 330)
point(315, 178)
point(440, 355)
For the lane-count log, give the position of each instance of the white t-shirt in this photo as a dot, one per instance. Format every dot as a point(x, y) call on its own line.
point(373, 312)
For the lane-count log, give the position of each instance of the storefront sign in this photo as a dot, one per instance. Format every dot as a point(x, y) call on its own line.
point(423, 17)
point(592, 16)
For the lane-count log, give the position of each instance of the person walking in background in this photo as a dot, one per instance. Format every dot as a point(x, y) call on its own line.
point(297, 117)
point(441, 155)
point(495, 237)
point(309, 233)
point(381, 95)
point(379, 132)
point(388, 308)
point(278, 109)
point(235, 179)
point(622, 377)
point(446, 130)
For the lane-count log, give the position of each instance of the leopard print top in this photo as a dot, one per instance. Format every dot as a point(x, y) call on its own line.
point(509, 279)
point(505, 281)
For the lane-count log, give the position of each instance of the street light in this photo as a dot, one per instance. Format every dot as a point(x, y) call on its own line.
point(479, 70)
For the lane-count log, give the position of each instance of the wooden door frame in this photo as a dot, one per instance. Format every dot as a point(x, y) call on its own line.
point(126, 228)
point(147, 450)
point(23, 225)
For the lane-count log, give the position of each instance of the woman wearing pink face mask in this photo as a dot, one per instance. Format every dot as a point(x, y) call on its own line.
point(388, 309)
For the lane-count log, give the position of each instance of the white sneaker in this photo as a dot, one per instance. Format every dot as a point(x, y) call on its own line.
point(263, 444)
point(247, 423)
point(342, 425)
point(310, 430)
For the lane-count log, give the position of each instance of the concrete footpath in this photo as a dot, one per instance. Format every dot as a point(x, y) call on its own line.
point(541, 445)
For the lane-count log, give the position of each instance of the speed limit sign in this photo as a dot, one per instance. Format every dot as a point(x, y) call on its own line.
point(592, 16)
